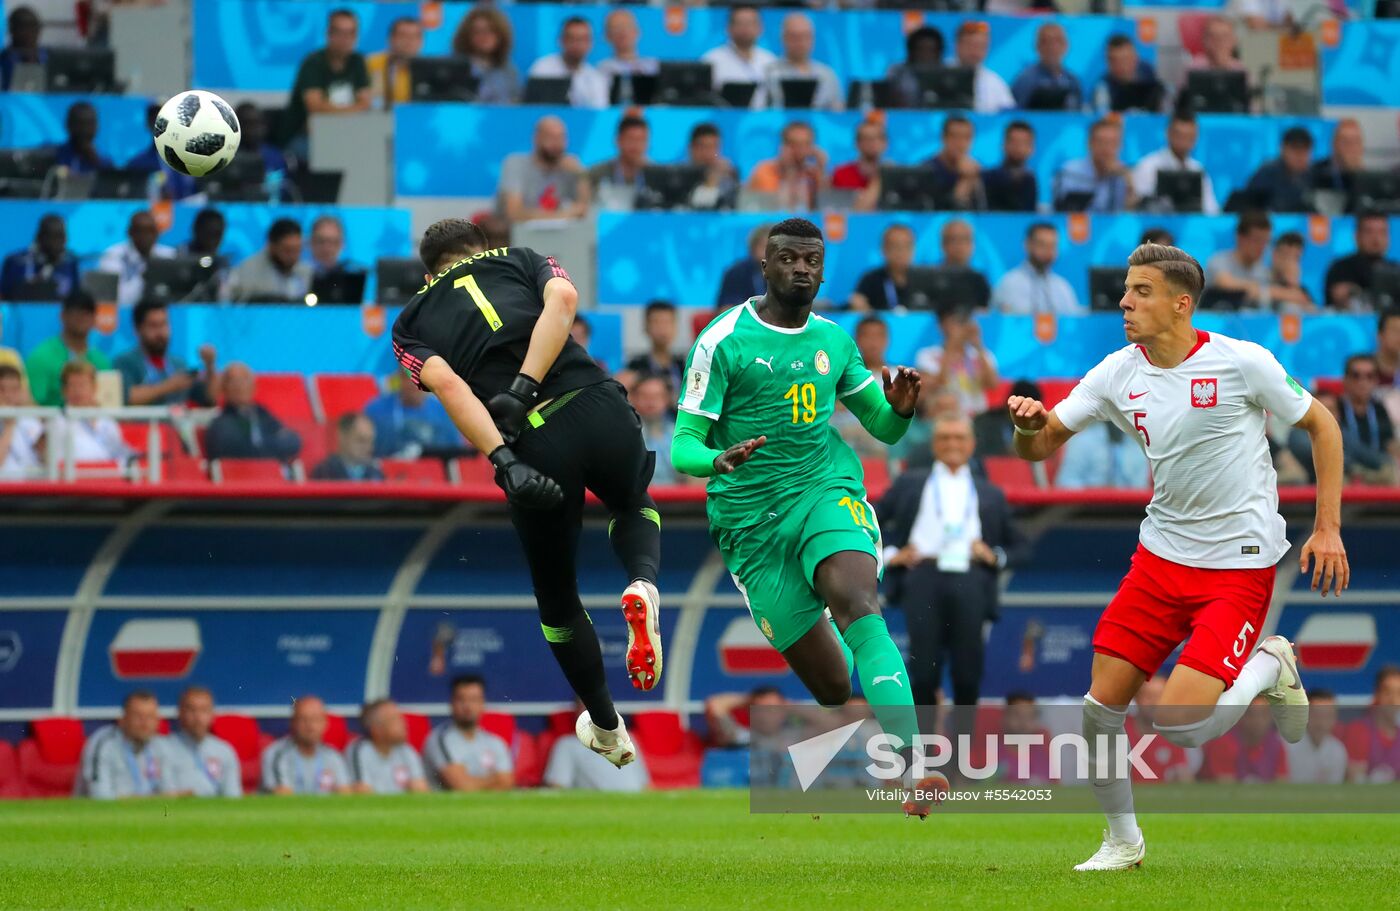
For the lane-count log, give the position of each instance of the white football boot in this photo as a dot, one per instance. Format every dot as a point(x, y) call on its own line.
point(614, 746)
point(1287, 699)
point(641, 608)
point(1116, 854)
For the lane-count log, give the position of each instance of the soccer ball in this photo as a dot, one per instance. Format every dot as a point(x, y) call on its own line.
point(196, 133)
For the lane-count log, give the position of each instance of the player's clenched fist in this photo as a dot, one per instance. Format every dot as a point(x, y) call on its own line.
point(737, 455)
point(902, 389)
point(510, 407)
point(1026, 412)
point(524, 486)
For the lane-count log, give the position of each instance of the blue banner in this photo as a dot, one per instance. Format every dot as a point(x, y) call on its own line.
point(683, 256)
point(29, 643)
point(258, 44)
point(256, 657)
point(1364, 67)
point(96, 225)
point(38, 120)
point(468, 142)
point(40, 561)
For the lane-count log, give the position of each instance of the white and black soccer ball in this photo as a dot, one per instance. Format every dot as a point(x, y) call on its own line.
point(196, 133)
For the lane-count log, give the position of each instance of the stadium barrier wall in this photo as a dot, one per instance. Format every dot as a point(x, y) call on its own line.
point(263, 598)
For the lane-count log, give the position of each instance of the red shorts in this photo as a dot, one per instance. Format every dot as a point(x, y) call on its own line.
point(1218, 612)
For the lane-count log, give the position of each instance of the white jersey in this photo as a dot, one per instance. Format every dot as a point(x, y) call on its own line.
point(1201, 425)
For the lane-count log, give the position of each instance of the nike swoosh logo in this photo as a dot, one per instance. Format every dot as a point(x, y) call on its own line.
point(894, 677)
point(1297, 683)
point(1139, 395)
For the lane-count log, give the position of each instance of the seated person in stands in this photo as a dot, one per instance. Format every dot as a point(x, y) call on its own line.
point(1130, 83)
point(720, 188)
point(651, 398)
point(1100, 182)
point(1011, 186)
point(991, 94)
point(151, 375)
point(1286, 275)
point(728, 715)
point(24, 28)
point(383, 761)
point(1182, 133)
point(173, 184)
point(45, 363)
point(128, 259)
point(886, 287)
point(332, 80)
point(93, 439)
point(573, 765)
point(1102, 456)
point(588, 88)
point(27, 273)
point(1245, 268)
point(79, 153)
point(622, 33)
point(863, 174)
point(957, 245)
point(923, 50)
point(1337, 172)
point(660, 358)
point(797, 174)
point(962, 364)
point(485, 37)
point(1219, 48)
point(956, 175)
point(1046, 84)
point(796, 63)
point(206, 237)
point(301, 762)
point(409, 422)
point(741, 59)
point(1371, 740)
point(275, 273)
point(1350, 278)
point(353, 459)
point(546, 182)
point(1034, 286)
point(616, 182)
point(328, 262)
point(460, 754)
point(129, 758)
point(389, 79)
point(744, 278)
point(253, 122)
point(1285, 184)
point(244, 429)
point(19, 437)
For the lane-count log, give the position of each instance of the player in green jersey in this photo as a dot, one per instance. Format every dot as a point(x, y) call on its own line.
point(786, 496)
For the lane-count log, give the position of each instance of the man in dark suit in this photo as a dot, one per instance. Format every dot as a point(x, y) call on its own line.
point(947, 537)
point(244, 429)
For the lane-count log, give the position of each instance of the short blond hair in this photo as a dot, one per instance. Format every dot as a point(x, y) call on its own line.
point(73, 368)
point(1178, 267)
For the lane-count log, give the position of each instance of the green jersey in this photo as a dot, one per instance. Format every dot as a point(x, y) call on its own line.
point(755, 379)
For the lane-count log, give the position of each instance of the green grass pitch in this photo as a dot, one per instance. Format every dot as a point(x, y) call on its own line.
point(660, 851)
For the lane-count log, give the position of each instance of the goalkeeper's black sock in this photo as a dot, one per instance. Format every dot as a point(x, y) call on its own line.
point(575, 647)
point(636, 539)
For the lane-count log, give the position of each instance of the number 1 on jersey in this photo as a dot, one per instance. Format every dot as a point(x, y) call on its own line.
point(469, 282)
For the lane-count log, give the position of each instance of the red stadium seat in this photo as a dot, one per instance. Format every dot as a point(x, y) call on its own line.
point(529, 761)
point(1053, 392)
point(343, 393)
point(998, 394)
point(185, 469)
point(476, 470)
point(414, 471)
point(502, 724)
point(1009, 472)
point(419, 727)
point(137, 434)
point(672, 754)
point(337, 734)
point(1328, 385)
point(242, 733)
point(1192, 28)
point(317, 441)
point(561, 723)
point(11, 785)
point(284, 394)
point(877, 478)
point(247, 471)
point(48, 760)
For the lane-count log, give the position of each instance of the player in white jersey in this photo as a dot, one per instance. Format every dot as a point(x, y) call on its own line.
point(1203, 573)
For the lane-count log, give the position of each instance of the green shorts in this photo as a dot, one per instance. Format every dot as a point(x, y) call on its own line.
point(773, 562)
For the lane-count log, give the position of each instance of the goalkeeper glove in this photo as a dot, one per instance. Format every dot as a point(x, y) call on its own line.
point(510, 407)
point(524, 486)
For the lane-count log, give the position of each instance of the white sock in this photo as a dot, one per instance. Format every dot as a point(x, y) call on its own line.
point(1258, 674)
point(1115, 793)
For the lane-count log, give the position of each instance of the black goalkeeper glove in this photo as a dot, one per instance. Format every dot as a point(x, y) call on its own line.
point(524, 486)
point(509, 408)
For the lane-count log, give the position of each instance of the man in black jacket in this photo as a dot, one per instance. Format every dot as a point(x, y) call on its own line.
point(245, 429)
point(947, 537)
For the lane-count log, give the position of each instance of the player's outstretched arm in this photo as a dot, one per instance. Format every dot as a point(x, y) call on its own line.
point(1330, 569)
point(886, 412)
point(1038, 432)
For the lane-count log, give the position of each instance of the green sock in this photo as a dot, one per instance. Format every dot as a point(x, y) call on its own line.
point(845, 649)
point(883, 677)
